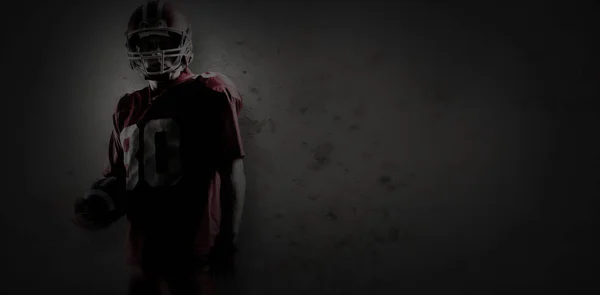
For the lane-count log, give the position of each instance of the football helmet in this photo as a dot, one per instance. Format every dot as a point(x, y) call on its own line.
point(159, 40)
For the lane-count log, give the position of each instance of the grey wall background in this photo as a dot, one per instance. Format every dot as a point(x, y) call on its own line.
point(407, 147)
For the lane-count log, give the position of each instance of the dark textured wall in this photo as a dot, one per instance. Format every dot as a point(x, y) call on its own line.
point(393, 147)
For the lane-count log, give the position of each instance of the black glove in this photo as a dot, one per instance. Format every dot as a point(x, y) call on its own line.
point(100, 206)
point(221, 259)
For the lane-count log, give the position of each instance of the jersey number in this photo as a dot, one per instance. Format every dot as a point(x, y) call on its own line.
point(161, 153)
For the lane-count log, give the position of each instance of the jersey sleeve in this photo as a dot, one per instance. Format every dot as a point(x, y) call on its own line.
point(114, 166)
point(231, 145)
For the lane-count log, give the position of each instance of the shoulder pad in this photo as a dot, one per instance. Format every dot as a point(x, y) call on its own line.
point(218, 82)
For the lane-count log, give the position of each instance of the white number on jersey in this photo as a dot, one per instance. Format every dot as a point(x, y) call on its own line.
point(170, 154)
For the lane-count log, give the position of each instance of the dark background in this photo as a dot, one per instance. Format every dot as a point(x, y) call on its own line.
point(393, 147)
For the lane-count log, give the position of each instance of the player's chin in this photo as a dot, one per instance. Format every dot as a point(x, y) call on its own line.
point(166, 77)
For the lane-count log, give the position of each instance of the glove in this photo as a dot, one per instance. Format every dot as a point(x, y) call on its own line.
point(100, 206)
point(221, 259)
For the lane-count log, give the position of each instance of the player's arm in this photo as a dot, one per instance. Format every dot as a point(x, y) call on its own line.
point(233, 184)
point(103, 203)
point(238, 183)
point(232, 197)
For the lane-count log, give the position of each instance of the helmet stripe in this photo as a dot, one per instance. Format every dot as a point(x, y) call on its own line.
point(159, 9)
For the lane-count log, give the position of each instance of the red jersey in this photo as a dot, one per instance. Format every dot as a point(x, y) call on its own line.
point(169, 147)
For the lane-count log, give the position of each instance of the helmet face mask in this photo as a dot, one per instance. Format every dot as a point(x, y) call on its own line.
point(157, 50)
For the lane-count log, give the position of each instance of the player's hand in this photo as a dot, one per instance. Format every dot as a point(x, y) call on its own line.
point(98, 208)
point(221, 259)
point(91, 213)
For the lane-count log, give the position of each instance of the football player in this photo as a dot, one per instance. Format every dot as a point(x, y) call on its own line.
point(175, 163)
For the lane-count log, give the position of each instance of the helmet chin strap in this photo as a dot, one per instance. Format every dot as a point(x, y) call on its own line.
point(163, 80)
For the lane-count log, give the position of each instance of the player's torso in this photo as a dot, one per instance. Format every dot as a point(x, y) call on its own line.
point(168, 146)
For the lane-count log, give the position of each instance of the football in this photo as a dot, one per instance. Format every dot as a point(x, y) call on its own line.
point(101, 205)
